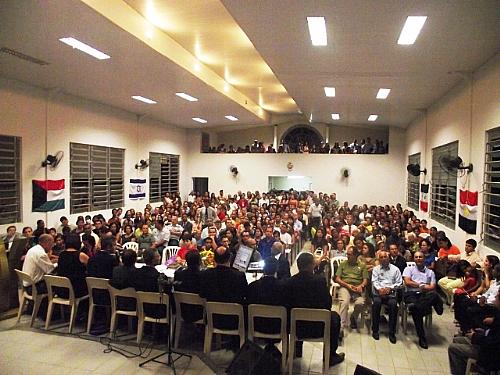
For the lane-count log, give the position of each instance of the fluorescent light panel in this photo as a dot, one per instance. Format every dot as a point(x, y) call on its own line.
point(231, 118)
point(335, 116)
point(330, 92)
point(317, 30)
point(372, 117)
point(187, 97)
point(411, 29)
point(200, 120)
point(85, 48)
point(383, 93)
point(143, 99)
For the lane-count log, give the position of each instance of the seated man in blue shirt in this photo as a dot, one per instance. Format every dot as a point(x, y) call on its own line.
point(421, 295)
point(386, 278)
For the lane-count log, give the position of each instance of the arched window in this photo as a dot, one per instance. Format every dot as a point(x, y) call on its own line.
point(302, 135)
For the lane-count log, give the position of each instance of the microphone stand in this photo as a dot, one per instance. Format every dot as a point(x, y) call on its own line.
point(164, 283)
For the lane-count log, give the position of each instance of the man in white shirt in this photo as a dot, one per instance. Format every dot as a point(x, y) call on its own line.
point(316, 213)
point(285, 237)
point(37, 262)
point(175, 230)
point(264, 200)
point(349, 227)
point(386, 278)
point(161, 236)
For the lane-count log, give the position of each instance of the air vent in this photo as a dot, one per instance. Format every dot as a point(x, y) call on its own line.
point(22, 56)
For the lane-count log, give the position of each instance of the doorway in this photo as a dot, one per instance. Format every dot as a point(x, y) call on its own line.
point(200, 185)
point(298, 183)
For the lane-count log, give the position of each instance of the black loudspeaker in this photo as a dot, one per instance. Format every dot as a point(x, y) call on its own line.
point(251, 359)
point(360, 370)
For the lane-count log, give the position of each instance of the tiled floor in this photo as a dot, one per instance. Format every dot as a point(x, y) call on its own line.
point(34, 351)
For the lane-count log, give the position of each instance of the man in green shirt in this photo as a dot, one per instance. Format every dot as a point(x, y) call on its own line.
point(352, 276)
point(145, 240)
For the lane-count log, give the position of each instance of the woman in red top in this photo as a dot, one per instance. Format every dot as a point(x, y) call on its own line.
point(446, 249)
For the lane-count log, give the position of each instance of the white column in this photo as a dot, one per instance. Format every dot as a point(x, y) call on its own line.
point(275, 137)
point(327, 133)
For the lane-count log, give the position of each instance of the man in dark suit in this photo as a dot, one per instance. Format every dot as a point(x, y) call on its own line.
point(188, 280)
point(224, 284)
point(145, 279)
point(283, 267)
point(102, 264)
point(268, 290)
point(185, 223)
point(309, 291)
point(396, 258)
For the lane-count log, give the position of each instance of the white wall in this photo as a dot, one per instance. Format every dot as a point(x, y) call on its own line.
point(375, 179)
point(36, 115)
point(464, 116)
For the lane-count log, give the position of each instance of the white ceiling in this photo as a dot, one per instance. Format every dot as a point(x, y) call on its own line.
point(362, 55)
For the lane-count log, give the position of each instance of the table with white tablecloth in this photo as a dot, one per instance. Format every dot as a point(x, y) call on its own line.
point(169, 272)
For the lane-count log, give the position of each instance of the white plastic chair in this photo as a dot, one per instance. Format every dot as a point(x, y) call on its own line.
point(168, 252)
point(228, 309)
point(131, 246)
point(35, 296)
point(152, 298)
point(188, 299)
point(310, 315)
point(265, 311)
point(334, 263)
point(114, 294)
point(469, 370)
point(95, 283)
point(72, 301)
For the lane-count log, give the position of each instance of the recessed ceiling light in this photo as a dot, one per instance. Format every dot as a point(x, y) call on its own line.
point(198, 119)
point(372, 117)
point(330, 92)
point(383, 93)
point(411, 29)
point(85, 48)
point(143, 99)
point(317, 30)
point(335, 116)
point(186, 96)
point(232, 118)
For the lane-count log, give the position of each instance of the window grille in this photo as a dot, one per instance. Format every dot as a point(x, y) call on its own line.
point(413, 192)
point(10, 179)
point(491, 188)
point(444, 186)
point(163, 175)
point(97, 178)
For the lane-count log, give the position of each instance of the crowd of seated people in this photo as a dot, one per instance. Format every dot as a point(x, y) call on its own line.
point(354, 147)
point(377, 242)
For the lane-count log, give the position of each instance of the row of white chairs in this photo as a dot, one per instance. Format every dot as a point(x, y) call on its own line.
point(210, 309)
